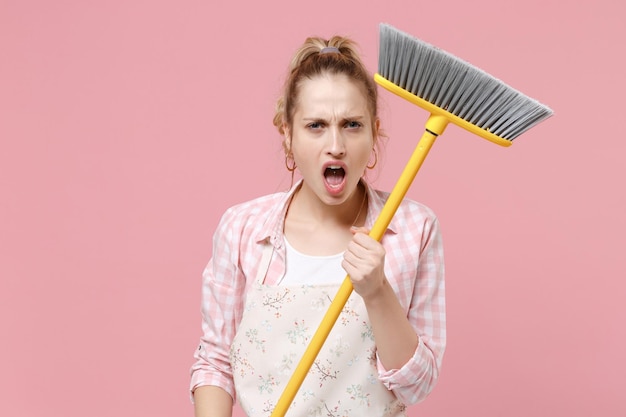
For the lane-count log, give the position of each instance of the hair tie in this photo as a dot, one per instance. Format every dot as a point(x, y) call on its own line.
point(329, 50)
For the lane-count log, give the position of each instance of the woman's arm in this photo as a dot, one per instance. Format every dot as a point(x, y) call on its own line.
point(222, 293)
point(414, 379)
point(396, 340)
point(211, 401)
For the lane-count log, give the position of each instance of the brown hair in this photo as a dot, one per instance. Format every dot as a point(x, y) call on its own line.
point(308, 63)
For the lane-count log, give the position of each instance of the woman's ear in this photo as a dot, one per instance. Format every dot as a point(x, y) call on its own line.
point(287, 134)
point(376, 128)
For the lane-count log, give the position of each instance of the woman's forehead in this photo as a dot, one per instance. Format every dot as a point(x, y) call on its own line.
point(336, 94)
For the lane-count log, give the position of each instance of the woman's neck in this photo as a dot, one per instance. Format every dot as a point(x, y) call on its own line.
point(315, 228)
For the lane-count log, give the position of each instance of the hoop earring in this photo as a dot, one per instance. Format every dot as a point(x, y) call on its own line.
point(290, 168)
point(375, 160)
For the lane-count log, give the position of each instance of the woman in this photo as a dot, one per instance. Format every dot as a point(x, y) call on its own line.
point(278, 261)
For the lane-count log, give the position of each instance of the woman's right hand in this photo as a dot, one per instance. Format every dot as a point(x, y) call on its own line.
point(211, 401)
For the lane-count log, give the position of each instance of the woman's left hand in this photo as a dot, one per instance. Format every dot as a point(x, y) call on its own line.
point(364, 261)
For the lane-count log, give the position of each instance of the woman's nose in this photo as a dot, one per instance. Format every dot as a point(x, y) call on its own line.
point(337, 145)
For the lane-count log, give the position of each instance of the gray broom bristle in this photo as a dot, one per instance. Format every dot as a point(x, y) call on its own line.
point(456, 86)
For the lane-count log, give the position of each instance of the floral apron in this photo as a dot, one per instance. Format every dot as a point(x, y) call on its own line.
point(276, 327)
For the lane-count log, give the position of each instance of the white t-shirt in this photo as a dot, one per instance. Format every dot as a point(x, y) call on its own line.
point(308, 269)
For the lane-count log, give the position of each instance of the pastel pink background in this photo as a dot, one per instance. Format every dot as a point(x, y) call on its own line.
point(128, 127)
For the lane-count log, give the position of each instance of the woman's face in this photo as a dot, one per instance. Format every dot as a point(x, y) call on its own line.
point(332, 136)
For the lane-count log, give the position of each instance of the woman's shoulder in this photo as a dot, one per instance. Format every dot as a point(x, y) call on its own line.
point(262, 206)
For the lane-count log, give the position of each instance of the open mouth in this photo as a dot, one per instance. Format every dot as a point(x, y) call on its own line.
point(334, 175)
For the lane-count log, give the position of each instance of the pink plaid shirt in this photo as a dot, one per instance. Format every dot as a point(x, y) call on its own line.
point(413, 266)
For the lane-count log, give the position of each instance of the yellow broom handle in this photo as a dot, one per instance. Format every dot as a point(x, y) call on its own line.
point(434, 126)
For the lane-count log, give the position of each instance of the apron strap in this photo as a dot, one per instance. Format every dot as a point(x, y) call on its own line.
point(268, 249)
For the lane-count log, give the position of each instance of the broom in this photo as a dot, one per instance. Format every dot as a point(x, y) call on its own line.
point(452, 91)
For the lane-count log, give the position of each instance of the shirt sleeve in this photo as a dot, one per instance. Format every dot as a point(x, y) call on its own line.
point(415, 380)
point(223, 285)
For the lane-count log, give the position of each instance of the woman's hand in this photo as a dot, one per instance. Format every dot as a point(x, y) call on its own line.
point(364, 261)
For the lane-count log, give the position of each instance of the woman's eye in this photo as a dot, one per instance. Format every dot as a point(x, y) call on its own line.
point(314, 125)
point(353, 125)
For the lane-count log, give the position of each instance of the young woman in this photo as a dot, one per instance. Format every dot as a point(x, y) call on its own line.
point(278, 261)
